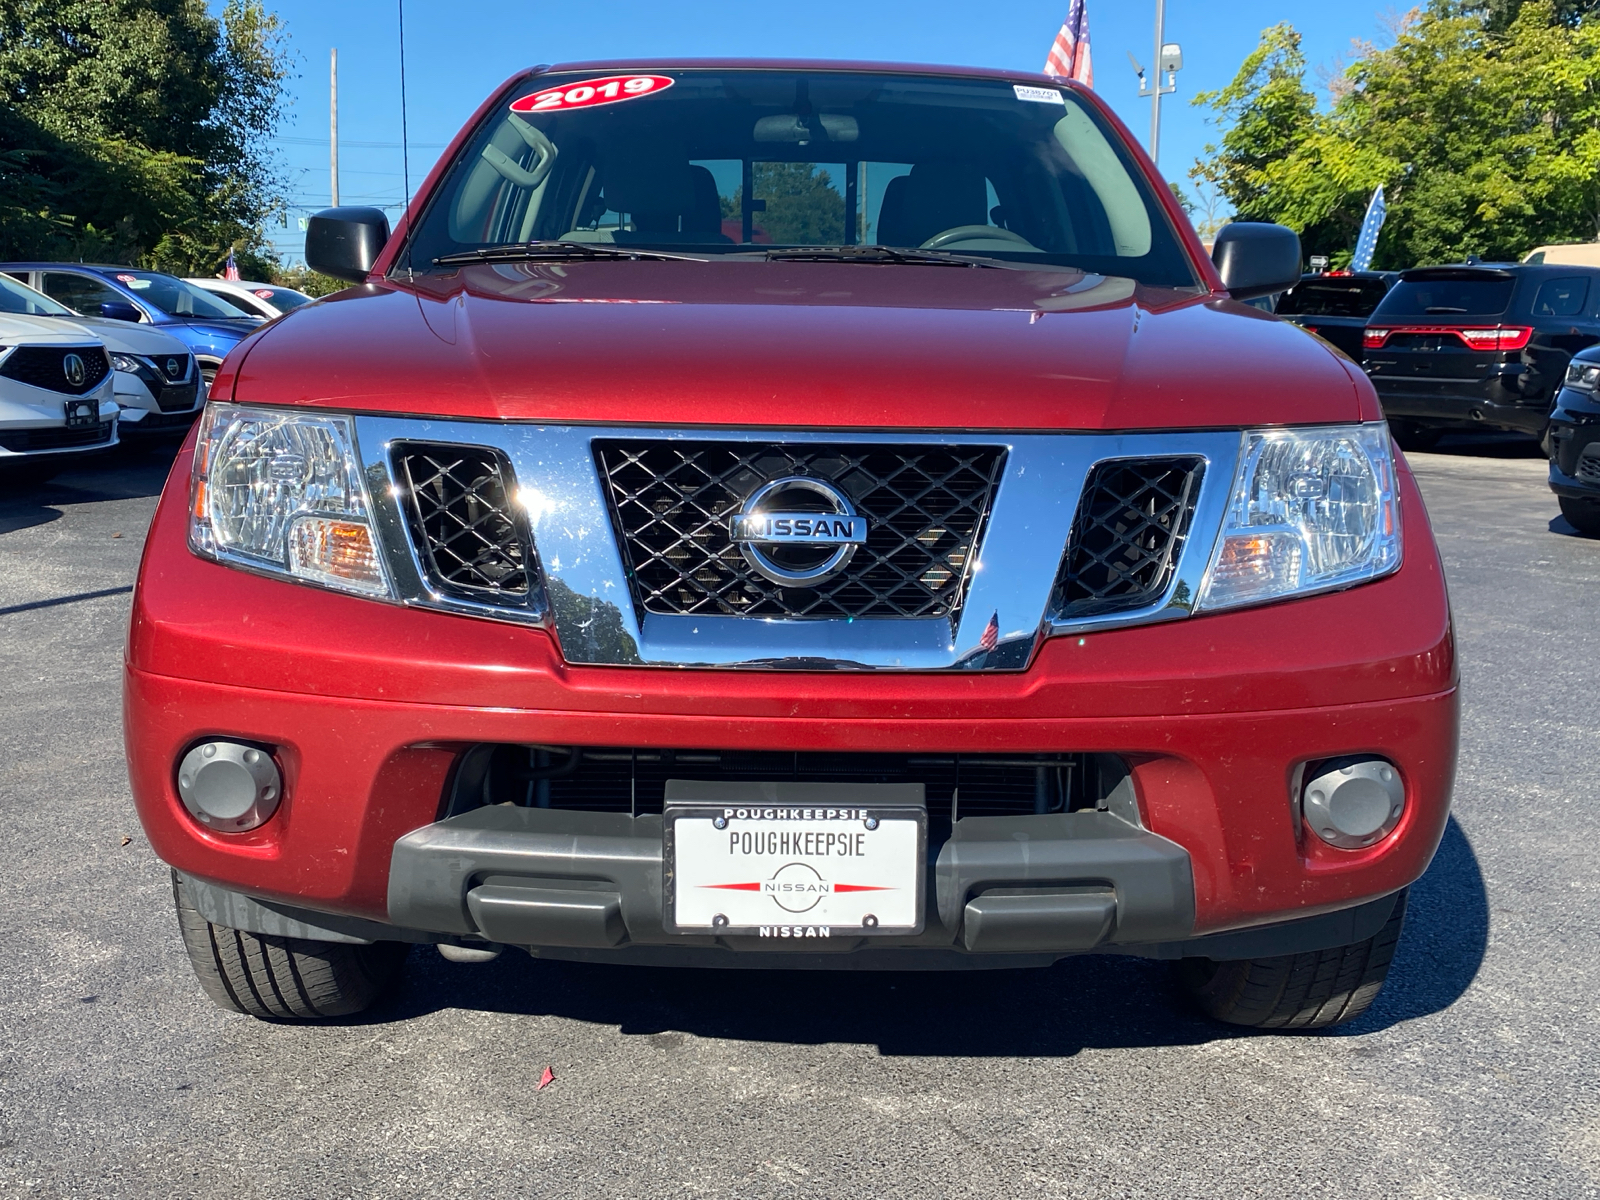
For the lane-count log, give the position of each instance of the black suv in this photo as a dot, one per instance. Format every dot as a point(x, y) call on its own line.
point(1335, 305)
point(1449, 347)
point(1573, 444)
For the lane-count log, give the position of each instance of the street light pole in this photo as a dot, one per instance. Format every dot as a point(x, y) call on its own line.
point(1169, 61)
point(333, 124)
point(1155, 92)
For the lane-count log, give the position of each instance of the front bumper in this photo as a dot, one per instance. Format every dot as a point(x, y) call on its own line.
point(1573, 444)
point(371, 707)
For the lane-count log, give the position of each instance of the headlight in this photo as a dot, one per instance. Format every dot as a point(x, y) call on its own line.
point(126, 363)
point(1311, 510)
point(1583, 376)
point(282, 492)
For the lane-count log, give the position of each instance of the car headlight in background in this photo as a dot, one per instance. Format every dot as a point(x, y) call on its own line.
point(1311, 510)
point(282, 492)
point(1584, 376)
point(126, 363)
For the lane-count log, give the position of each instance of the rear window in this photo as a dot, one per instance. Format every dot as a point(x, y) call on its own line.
point(1484, 297)
point(1332, 298)
point(1561, 297)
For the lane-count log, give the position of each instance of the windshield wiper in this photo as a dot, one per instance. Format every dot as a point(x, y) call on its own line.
point(1439, 308)
point(875, 254)
point(514, 251)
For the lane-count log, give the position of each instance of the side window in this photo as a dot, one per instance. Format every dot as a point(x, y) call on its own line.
point(1561, 297)
point(80, 293)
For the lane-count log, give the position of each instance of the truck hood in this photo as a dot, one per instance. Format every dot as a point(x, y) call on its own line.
point(798, 345)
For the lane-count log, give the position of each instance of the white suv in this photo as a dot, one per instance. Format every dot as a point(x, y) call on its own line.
point(156, 380)
point(56, 399)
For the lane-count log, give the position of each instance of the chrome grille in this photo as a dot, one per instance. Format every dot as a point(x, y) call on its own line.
point(471, 537)
point(1130, 525)
point(926, 506)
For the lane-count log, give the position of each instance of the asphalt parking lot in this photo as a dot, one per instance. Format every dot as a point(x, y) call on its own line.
point(1477, 1073)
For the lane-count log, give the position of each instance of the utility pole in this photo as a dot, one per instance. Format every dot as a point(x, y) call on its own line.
point(333, 123)
point(1168, 62)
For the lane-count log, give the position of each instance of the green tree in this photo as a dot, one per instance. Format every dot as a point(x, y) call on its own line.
point(803, 207)
point(140, 128)
point(1487, 140)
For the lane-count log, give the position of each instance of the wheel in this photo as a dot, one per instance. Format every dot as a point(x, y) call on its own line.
point(1297, 991)
point(1582, 514)
point(285, 979)
point(1417, 438)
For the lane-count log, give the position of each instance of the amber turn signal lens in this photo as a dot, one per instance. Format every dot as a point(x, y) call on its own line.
point(335, 551)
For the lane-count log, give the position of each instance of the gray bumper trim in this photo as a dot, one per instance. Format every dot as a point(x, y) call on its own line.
point(581, 880)
point(238, 911)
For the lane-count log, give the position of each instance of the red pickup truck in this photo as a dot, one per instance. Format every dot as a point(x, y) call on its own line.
point(784, 514)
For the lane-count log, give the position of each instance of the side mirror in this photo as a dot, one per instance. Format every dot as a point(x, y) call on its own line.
point(345, 242)
point(1255, 258)
point(119, 310)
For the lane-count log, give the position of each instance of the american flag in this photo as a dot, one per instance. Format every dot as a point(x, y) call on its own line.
point(231, 271)
point(1069, 57)
point(991, 633)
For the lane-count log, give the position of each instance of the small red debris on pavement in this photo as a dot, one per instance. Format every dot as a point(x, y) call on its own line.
point(546, 1080)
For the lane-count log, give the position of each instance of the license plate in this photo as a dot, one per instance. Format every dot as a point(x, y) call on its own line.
point(82, 413)
point(795, 870)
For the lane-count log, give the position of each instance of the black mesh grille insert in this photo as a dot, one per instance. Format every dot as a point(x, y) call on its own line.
point(925, 506)
point(471, 537)
point(1130, 526)
point(22, 440)
point(620, 779)
point(45, 367)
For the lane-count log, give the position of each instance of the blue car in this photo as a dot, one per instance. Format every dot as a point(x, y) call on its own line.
point(206, 325)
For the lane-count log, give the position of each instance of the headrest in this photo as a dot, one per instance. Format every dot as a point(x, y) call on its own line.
point(648, 179)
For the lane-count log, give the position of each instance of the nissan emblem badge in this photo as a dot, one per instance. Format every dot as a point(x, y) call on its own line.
point(798, 531)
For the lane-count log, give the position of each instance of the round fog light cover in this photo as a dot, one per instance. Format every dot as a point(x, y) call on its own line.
point(1354, 802)
point(229, 786)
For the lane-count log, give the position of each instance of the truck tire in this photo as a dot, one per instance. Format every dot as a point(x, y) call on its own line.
point(1583, 515)
point(1296, 991)
point(281, 978)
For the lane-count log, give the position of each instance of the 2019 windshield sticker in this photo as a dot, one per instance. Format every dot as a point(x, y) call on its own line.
point(591, 93)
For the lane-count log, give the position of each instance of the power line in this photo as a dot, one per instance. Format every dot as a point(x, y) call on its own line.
point(343, 142)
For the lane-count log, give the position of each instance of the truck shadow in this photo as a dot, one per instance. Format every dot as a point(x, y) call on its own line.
point(122, 475)
point(1090, 1002)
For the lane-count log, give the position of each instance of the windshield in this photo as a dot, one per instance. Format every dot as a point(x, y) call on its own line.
point(1332, 297)
point(283, 299)
point(740, 162)
point(175, 297)
point(1447, 297)
point(20, 299)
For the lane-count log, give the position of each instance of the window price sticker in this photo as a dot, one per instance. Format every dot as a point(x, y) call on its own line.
point(592, 93)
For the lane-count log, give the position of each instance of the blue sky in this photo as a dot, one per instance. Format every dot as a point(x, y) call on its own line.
point(458, 50)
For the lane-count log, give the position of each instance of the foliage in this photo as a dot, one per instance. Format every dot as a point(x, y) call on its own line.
point(803, 206)
point(1486, 139)
point(1183, 201)
point(136, 130)
point(304, 279)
